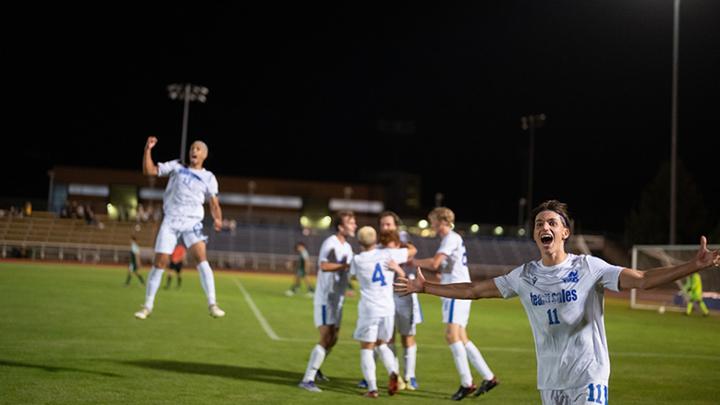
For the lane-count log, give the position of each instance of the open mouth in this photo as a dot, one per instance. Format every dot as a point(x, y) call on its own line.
point(546, 239)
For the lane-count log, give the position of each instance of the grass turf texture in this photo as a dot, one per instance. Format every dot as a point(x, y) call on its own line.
point(68, 336)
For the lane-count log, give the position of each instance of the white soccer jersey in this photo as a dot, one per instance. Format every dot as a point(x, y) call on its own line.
point(187, 189)
point(376, 281)
point(564, 304)
point(454, 269)
point(332, 283)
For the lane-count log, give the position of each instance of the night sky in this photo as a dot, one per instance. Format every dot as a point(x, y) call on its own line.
point(344, 91)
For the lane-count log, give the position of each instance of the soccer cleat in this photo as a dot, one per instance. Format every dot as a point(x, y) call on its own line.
point(289, 293)
point(309, 386)
point(486, 386)
point(393, 384)
point(371, 394)
point(412, 384)
point(143, 313)
point(362, 384)
point(401, 384)
point(321, 377)
point(215, 311)
point(462, 392)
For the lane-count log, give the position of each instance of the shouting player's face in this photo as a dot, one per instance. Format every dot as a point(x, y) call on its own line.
point(198, 154)
point(550, 232)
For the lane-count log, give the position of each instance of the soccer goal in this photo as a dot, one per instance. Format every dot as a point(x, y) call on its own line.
point(670, 296)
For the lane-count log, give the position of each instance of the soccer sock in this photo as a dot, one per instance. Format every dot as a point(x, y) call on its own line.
point(367, 365)
point(168, 281)
point(704, 308)
point(689, 308)
point(317, 355)
point(140, 277)
point(461, 363)
point(179, 280)
point(391, 346)
point(477, 360)
point(410, 360)
point(127, 280)
point(154, 281)
point(386, 355)
point(207, 281)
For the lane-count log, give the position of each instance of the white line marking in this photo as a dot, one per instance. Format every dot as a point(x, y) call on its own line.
point(263, 322)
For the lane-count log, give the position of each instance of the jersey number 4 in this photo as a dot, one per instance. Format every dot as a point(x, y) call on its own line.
point(378, 275)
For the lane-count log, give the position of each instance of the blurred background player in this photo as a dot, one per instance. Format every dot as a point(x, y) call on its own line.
point(332, 280)
point(693, 289)
point(301, 269)
point(451, 261)
point(563, 297)
point(133, 266)
point(375, 270)
point(176, 263)
point(187, 189)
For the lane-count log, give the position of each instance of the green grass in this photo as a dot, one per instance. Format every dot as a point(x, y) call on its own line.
point(67, 336)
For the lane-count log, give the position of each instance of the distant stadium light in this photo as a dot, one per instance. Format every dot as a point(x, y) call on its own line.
point(498, 231)
point(304, 221)
point(423, 224)
point(186, 92)
point(325, 222)
point(474, 228)
point(521, 232)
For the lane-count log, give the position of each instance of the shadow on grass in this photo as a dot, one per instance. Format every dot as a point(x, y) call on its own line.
point(265, 375)
point(53, 369)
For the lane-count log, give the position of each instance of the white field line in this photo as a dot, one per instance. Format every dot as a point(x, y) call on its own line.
point(263, 322)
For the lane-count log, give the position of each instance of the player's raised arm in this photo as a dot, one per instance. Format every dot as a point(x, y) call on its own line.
point(632, 278)
point(431, 263)
point(467, 291)
point(149, 167)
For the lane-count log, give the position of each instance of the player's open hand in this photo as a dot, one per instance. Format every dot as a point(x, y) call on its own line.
point(217, 224)
point(404, 286)
point(151, 142)
point(706, 258)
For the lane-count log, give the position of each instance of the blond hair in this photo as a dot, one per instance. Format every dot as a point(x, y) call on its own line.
point(442, 214)
point(367, 236)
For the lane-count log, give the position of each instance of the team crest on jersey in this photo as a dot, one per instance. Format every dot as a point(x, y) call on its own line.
point(534, 280)
point(572, 277)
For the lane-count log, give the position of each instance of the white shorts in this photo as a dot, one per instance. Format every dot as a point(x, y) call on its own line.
point(172, 228)
point(329, 313)
point(590, 394)
point(407, 313)
point(372, 329)
point(456, 311)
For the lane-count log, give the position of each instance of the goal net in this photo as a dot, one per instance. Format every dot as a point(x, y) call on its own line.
point(671, 295)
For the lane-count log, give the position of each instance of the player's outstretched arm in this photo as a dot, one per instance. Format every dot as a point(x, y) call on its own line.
point(149, 167)
point(216, 212)
point(467, 291)
point(392, 265)
point(633, 278)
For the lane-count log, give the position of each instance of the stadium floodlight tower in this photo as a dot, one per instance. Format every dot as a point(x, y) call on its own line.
point(530, 123)
point(187, 92)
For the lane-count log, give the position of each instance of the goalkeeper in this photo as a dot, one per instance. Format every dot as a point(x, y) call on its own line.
point(693, 289)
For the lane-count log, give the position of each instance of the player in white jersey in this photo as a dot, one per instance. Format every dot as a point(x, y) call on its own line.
point(451, 261)
point(563, 297)
point(187, 189)
point(332, 280)
point(375, 270)
point(407, 307)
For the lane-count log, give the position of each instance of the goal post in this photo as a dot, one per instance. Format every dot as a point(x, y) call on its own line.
point(670, 295)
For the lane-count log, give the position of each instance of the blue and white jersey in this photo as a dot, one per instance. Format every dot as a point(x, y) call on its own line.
point(376, 280)
point(565, 304)
point(454, 269)
point(332, 284)
point(187, 190)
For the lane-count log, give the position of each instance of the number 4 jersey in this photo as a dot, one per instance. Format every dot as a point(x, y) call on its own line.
point(564, 304)
point(376, 280)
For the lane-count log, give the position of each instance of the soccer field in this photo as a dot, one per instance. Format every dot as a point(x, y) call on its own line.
point(68, 336)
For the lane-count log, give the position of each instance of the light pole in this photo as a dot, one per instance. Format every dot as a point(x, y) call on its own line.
point(186, 92)
point(673, 142)
point(529, 123)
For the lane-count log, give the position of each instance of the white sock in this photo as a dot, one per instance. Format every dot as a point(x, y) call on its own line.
point(477, 360)
point(367, 365)
point(207, 280)
point(386, 355)
point(317, 355)
point(154, 279)
point(391, 346)
point(461, 363)
point(410, 360)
